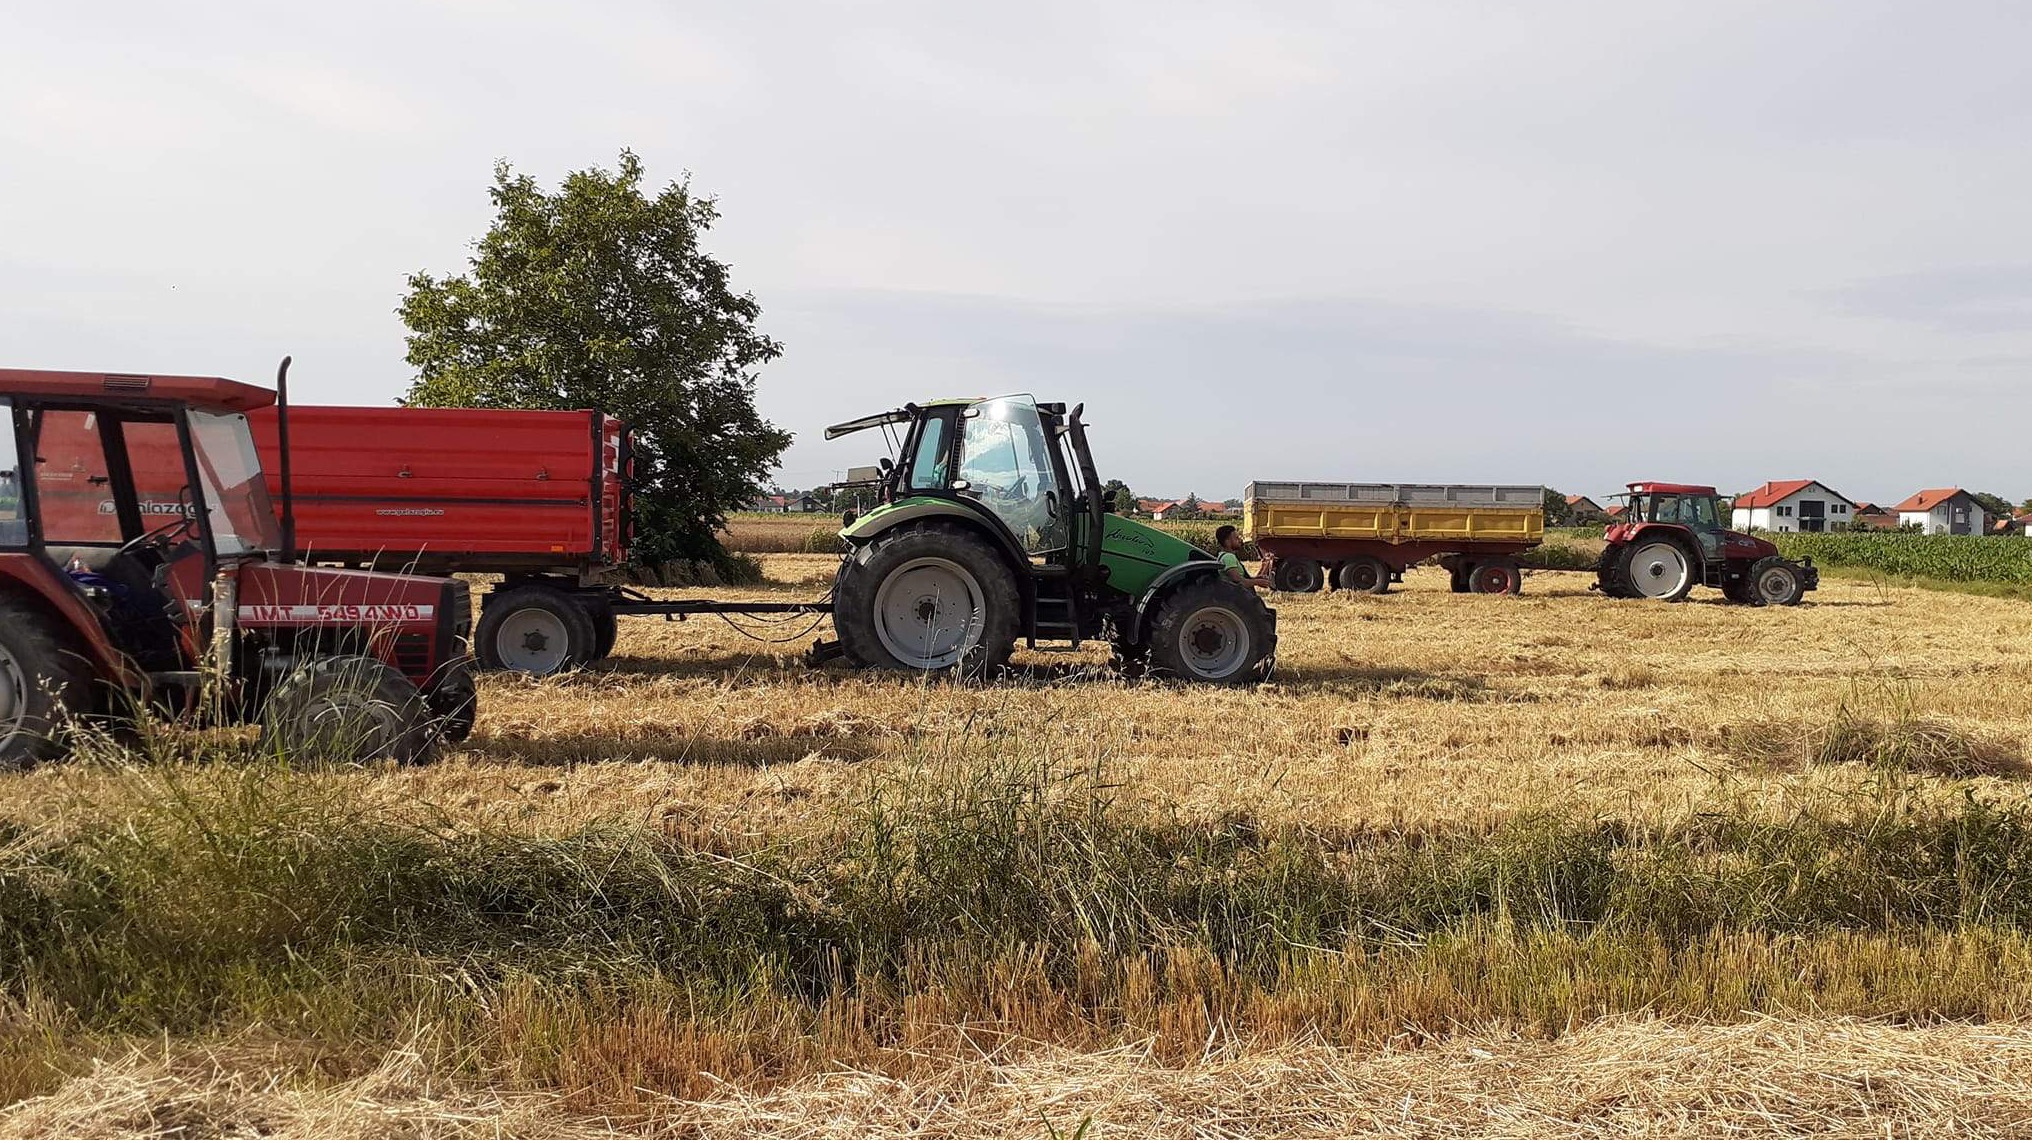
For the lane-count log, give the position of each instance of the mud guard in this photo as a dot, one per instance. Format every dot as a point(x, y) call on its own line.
point(1171, 577)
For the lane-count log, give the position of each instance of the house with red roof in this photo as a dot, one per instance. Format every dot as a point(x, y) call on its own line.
point(1873, 515)
point(1791, 506)
point(1943, 512)
point(1583, 510)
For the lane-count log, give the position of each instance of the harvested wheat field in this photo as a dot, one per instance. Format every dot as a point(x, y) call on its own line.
point(1546, 865)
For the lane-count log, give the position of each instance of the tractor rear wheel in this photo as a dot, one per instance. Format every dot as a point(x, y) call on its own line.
point(1776, 581)
point(1212, 631)
point(1297, 575)
point(1496, 577)
point(1658, 569)
point(927, 598)
point(347, 709)
point(1363, 573)
point(536, 629)
point(1609, 573)
point(43, 679)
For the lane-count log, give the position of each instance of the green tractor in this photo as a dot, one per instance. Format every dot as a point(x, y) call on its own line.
point(992, 527)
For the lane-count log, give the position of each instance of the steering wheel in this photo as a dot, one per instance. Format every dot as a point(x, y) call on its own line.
point(165, 535)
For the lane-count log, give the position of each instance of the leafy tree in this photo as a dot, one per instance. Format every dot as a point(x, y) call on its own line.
point(599, 296)
point(1188, 508)
point(1125, 500)
point(1558, 513)
point(1996, 506)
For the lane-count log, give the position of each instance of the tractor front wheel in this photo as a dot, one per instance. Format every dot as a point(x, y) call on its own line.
point(927, 598)
point(1212, 631)
point(1658, 569)
point(347, 709)
point(1363, 573)
point(42, 681)
point(1776, 582)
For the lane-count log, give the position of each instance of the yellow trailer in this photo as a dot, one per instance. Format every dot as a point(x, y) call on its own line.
point(1361, 537)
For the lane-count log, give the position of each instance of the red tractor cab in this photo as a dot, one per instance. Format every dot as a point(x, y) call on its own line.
point(1670, 538)
point(142, 567)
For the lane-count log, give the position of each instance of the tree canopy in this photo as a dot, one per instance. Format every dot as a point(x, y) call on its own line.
point(598, 295)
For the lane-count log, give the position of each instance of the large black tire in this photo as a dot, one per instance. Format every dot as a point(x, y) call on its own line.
point(454, 702)
point(1739, 591)
point(535, 629)
point(44, 680)
point(1608, 574)
point(1496, 577)
point(1777, 582)
point(1363, 573)
point(1298, 574)
point(1659, 569)
point(606, 625)
point(1212, 631)
point(927, 597)
point(347, 709)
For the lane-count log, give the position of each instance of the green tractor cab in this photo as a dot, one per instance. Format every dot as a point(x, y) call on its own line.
point(992, 527)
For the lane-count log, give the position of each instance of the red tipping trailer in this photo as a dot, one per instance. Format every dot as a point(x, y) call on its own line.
point(540, 498)
point(519, 491)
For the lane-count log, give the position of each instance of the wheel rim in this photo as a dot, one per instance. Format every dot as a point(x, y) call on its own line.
point(1775, 585)
point(13, 696)
point(1213, 642)
point(348, 729)
point(929, 613)
point(532, 639)
point(1303, 576)
point(1492, 580)
point(1659, 570)
point(1361, 576)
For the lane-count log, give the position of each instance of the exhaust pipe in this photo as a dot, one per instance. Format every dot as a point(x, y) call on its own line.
point(282, 441)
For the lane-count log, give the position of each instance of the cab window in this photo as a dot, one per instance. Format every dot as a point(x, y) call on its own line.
point(73, 485)
point(13, 517)
point(928, 463)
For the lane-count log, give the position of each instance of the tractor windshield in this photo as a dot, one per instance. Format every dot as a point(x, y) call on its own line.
point(1697, 512)
point(1005, 460)
point(236, 495)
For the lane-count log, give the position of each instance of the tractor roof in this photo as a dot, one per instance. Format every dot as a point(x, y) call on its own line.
point(210, 393)
point(1647, 487)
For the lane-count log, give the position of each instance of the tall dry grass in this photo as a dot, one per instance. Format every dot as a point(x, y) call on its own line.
point(708, 877)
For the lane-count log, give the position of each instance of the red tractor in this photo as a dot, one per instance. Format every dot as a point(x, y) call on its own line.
point(121, 593)
point(1671, 538)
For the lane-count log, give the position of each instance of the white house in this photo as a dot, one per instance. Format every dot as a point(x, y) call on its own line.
point(1792, 506)
point(1944, 511)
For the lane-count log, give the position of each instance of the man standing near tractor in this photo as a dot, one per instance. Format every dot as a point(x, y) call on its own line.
point(1228, 539)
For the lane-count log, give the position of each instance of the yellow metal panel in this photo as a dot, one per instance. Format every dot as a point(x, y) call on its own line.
point(1296, 520)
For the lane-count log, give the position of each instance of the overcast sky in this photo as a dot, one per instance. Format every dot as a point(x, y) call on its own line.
point(1569, 243)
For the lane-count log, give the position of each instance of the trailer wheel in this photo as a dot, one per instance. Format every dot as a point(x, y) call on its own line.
point(1363, 573)
point(1658, 569)
point(42, 678)
point(1297, 575)
point(1496, 577)
point(535, 629)
point(1775, 581)
point(927, 598)
point(606, 625)
point(1212, 631)
point(347, 709)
